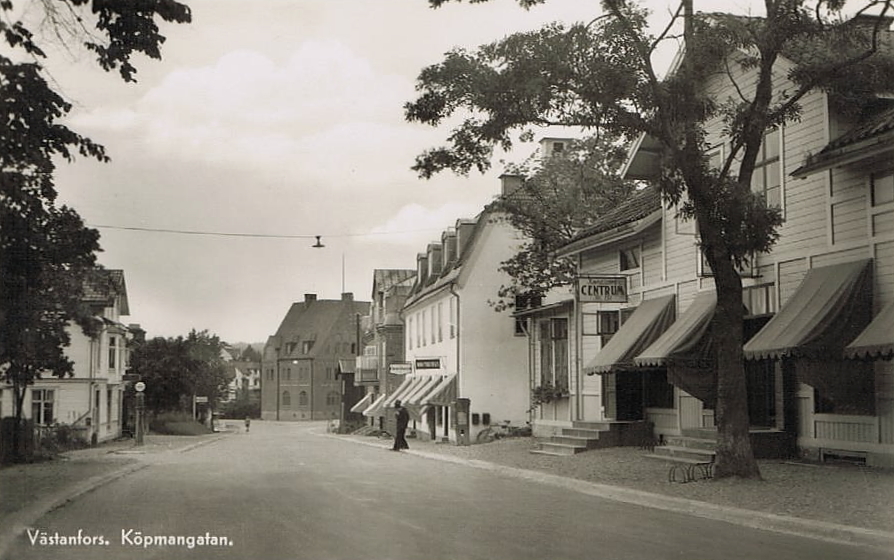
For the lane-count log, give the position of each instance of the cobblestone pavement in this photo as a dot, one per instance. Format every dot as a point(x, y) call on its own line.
point(842, 494)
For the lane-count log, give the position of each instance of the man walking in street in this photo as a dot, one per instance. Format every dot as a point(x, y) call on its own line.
point(403, 418)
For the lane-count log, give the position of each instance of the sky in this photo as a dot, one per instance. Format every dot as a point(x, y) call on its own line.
point(283, 120)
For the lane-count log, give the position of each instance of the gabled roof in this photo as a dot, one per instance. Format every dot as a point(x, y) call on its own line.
point(314, 320)
point(451, 273)
point(103, 285)
point(384, 278)
point(632, 216)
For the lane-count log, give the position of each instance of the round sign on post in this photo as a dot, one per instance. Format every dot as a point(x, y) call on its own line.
point(140, 387)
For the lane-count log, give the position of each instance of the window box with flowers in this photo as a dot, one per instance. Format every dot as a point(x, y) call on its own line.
point(548, 393)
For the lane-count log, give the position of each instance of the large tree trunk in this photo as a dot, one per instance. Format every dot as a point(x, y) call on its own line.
point(734, 454)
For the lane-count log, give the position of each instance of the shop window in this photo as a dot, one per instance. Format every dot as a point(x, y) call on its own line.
point(658, 392)
point(42, 406)
point(849, 392)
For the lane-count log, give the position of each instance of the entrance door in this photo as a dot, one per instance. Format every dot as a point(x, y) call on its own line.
point(629, 395)
point(761, 380)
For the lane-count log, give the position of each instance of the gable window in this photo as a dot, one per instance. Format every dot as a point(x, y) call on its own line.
point(42, 401)
point(629, 259)
point(767, 178)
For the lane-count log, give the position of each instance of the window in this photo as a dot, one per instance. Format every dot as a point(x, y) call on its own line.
point(767, 178)
point(434, 325)
point(759, 300)
point(302, 398)
point(882, 189)
point(410, 333)
point(440, 321)
point(332, 398)
point(521, 326)
point(417, 329)
point(306, 346)
point(424, 327)
point(288, 373)
point(554, 353)
point(42, 406)
point(109, 406)
point(113, 351)
point(452, 318)
point(286, 399)
point(629, 258)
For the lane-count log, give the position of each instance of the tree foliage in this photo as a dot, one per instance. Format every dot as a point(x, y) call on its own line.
point(175, 369)
point(46, 252)
point(600, 75)
point(559, 196)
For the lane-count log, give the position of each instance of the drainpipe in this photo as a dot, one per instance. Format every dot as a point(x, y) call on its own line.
point(454, 293)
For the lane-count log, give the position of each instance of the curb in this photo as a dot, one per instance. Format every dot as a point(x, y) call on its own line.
point(796, 526)
point(29, 515)
point(38, 509)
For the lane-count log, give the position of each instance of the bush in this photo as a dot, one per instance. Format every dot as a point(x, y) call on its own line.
point(176, 424)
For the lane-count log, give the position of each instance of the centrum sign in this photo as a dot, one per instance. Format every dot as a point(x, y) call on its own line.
point(602, 289)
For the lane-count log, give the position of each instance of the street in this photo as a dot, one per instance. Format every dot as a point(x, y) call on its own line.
point(284, 491)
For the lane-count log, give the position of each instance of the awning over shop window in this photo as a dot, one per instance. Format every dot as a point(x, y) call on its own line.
point(443, 394)
point(420, 389)
point(831, 305)
point(377, 408)
point(409, 383)
point(683, 340)
point(877, 340)
point(645, 325)
point(686, 349)
point(363, 403)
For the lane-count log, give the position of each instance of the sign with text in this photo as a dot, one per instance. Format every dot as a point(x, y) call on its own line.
point(201, 399)
point(428, 363)
point(602, 289)
point(401, 368)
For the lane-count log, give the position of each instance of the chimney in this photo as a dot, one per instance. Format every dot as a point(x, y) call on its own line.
point(309, 298)
point(347, 296)
point(464, 230)
point(448, 248)
point(421, 269)
point(509, 183)
point(434, 259)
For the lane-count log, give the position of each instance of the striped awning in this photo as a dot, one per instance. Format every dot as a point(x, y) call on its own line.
point(408, 385)
point(877, 340)
point(645, 325)
point(426, 383)
point(443, 393)
point(377, 408)
point(363, 403)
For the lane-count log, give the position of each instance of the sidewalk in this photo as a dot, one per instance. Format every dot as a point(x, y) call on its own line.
point(834, 502)
point(27, 492)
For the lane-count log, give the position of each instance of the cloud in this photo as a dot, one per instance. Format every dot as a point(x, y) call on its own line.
point(416, 225)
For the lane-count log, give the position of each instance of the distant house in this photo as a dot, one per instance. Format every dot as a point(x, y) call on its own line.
point(461, 350)
point(382, 341)
point(300, 361)
point(91, 400)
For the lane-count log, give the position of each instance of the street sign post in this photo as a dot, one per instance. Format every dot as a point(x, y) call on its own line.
point(141, 404)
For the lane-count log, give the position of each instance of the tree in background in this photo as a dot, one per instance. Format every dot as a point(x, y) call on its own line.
point(249, 354)
point(177, 369)
point(558, 196)
point(600, 75)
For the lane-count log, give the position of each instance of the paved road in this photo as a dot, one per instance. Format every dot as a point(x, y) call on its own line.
point(282, 492)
